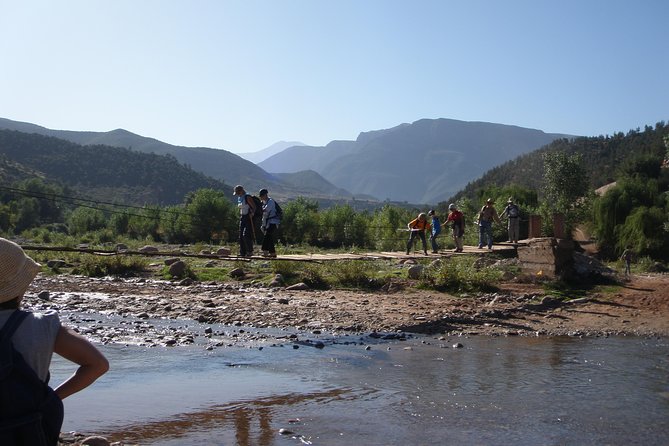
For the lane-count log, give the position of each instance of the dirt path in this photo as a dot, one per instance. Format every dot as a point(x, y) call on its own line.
point(639, 307)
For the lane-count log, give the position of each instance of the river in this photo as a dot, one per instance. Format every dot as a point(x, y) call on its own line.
point(363, 390)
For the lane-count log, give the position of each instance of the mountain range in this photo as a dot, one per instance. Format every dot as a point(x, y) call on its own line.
point(422, 162)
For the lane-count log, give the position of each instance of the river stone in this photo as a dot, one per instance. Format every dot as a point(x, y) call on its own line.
point(171, 260)
point(44, 295)
point(95, 441)
point(458, 345)
point(148, 249)
point(415, 272)
point(223, 252)
point(277, 281)
point(57, 263)
point(186, 282)
point(121, 247)
point(237, 272)
point(298, 286)
point(178, 269)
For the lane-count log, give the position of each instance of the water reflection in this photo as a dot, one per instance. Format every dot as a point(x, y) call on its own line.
point(252, 421)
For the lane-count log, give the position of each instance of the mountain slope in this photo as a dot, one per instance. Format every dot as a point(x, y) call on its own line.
point(104, 172)
point(603, 156)
point(218, 164)
point(422, 162)
point(261, 155)
point(315, 183)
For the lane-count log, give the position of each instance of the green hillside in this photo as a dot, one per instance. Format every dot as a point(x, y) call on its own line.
point(603, 158)
point(100, 172)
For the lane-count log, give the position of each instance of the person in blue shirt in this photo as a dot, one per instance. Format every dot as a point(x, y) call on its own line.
point(436, 230)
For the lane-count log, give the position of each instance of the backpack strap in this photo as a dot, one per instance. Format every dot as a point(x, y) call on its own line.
point(11, 325)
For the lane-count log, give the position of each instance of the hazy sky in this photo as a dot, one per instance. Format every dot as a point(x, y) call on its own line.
point(241, 75)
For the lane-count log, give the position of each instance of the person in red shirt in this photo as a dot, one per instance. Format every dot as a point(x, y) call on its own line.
point(417, 227)
point(458, 222)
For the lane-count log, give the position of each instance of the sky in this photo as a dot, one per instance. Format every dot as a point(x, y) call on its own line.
point(241, 75)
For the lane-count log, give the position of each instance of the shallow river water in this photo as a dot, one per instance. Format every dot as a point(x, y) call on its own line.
point(364, 391)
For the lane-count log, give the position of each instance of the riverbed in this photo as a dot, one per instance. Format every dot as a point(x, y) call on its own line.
point(271, 387)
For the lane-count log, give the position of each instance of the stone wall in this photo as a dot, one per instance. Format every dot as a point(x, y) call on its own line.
point(547, 256)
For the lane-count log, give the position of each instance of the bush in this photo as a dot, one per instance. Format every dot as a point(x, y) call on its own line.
point(461, 275)
point(353, 273)
point(100, 266)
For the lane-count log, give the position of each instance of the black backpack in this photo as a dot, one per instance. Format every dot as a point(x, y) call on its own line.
point(279, 211)
point(30, 411)
point(257, 215)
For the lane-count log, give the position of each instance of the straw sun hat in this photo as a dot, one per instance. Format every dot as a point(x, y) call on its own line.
point(17, 270)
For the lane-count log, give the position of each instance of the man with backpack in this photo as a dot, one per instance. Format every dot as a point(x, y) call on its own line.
point(248, 209)
point(271, 217)
point(513, 214)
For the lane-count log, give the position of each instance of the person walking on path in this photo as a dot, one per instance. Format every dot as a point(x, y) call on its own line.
point(417, 228)
point(487, 215)
point(627, 256)
point(457, 219)
point(247, 209)
point(436, 230)
point(270, 223)
point(512, 212)
point(33, 411)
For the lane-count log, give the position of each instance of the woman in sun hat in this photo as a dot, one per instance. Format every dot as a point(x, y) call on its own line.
point(38, 335)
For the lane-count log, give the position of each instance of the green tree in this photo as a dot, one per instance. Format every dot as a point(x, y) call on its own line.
point(642, 230)
point(565, 188)
point(208, 214)
point(385, 224)
point(300, 221)
point(84, 219)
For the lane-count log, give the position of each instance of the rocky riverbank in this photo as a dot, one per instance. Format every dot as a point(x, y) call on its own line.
point(637, 307)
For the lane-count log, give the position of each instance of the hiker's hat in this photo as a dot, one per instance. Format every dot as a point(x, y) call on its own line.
point(430, 212)
point(451, 206)
point(489, 200)
point(17, 270)
point(510, 200)
point(237, 189)
point(262, 192)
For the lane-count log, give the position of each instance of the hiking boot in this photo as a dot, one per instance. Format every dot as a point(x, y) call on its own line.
point(271, 254)
point(425, 252)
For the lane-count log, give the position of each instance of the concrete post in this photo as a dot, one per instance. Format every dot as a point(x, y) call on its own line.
point(534, 230)
point(559, 226)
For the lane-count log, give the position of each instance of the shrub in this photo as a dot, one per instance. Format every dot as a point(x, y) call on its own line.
point(100, 266)
point(461, 275)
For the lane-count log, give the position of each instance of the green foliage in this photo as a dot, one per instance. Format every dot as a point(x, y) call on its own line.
point(85, 219)
point(208, 215)
point(341, 226)
point(96, 266)
point(353, 274)
point(300, 222)
point(385, 224)
point(461, 274)
point(642, 230)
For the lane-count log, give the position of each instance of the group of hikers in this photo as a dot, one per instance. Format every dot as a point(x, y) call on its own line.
point(251, 210)
point(264, 213)
point(487, 215)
